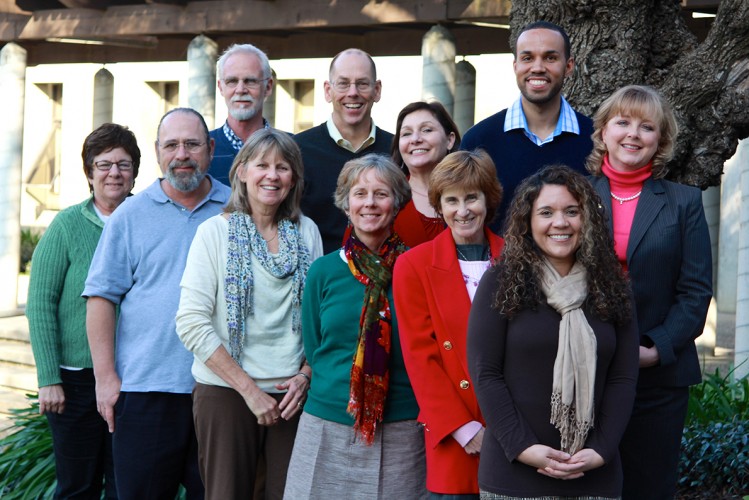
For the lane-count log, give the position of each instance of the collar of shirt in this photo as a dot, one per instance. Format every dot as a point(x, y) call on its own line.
point(515, 119)
point(234, 139)
point(338, 138)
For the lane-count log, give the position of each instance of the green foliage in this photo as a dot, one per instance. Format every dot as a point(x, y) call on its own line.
point(715, 447)
point(27, 463)
point(29, 240)
point(718, 399)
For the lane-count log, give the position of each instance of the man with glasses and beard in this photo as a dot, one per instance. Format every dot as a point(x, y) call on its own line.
point(245, 81)
point(540, 128)
point(349, 133)
point(142, 370)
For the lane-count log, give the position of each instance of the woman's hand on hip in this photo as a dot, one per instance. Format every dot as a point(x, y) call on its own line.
point(51, 399)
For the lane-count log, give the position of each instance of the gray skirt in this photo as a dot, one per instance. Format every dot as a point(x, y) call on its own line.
point(330, 462)
point(485, 495)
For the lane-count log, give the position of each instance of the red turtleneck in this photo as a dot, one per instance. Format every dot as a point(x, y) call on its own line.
point(624, 185)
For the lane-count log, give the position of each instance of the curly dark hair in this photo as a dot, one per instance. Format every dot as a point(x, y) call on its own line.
point(521, 263)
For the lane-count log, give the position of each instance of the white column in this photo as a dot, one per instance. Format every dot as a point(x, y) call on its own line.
point(438, 79)
point(103, 98)
point(202, 54)
point(741, 356)
point(711, 202)
point(465, 96)
point(12, 83)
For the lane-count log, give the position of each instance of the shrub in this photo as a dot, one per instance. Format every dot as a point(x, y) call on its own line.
point(714, 459)
point(29, 240)
point(27, 464)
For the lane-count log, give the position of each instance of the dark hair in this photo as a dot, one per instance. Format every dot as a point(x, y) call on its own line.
point(521, 262)
point(467, 170)
point(106, 138)
point(259, 144)
point(353, 51)
point(544, 25)
point(439, 112)
point(639, 101)
point(188, 111)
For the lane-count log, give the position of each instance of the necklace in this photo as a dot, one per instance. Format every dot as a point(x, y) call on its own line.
point(621, 200)
point(274, 236)
point(418, 192)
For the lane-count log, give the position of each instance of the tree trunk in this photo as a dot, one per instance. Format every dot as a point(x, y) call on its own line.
point(622, 42)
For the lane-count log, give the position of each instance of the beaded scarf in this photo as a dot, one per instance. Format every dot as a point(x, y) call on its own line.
point(370, 372)
point(293, 260)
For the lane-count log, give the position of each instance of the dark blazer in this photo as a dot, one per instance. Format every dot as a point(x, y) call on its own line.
point(670, 267)
point(432, 306)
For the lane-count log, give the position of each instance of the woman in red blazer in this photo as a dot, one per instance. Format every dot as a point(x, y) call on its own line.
point(433, 286)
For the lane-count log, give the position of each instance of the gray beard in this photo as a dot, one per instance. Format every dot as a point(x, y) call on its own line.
point(185, 183)
point(243, 114)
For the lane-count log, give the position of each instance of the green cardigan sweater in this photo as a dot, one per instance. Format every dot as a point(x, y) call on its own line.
point(55, 309)
point(331, 308)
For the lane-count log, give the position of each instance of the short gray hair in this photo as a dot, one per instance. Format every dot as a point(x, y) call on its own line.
point(244, 48)
point(384, 169)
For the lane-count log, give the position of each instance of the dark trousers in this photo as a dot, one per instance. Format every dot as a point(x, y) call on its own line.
point(651, 444)
point(82, 444)
point(154, 446)
point(232, 443)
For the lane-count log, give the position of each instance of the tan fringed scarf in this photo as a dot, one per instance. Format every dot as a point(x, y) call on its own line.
point(575, 365)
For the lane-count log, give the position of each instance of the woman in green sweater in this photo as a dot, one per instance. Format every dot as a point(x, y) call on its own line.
point(57, 316)
point(358, 436)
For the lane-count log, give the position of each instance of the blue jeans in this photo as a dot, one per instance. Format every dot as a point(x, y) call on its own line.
point(81, 442)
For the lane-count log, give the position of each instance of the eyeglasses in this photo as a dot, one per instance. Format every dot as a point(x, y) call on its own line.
point(122, 165)
point(250, 83)
point(344, 85)
point(190, 146)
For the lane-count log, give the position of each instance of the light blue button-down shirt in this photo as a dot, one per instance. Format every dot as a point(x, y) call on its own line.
point(515, 119)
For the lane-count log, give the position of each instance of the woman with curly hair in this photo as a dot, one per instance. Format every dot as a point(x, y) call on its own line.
point(662, 240)
point(552, 348)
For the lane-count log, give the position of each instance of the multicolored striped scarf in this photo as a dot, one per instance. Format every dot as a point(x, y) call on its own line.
point(370, 372)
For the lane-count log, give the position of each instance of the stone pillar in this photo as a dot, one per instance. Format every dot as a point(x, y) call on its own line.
point(438, 54)
point(12, 89)
point(465, 96)
point(741, 356)
point(711, 202)
point(103, 98)
point(269, 106)
point(202, 54)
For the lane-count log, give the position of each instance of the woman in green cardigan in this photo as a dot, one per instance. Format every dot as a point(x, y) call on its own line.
point(358, 436)
point(57, 316)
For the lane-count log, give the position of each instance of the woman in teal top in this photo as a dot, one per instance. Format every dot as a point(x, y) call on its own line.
point(358, 436)
point(57, 316)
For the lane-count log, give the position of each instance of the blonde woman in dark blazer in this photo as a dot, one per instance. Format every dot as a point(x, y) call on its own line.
point(661, 239)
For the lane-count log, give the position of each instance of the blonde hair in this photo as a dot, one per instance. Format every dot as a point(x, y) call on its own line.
point(638, 101)
point(260, 143)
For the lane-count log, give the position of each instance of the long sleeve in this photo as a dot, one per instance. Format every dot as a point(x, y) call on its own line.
point(441, 407)
point(487, 335)
point(49, 266)
point(693, 289)
point(199, 290)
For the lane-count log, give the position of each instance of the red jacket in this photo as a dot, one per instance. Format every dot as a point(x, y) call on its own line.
point(432, 306)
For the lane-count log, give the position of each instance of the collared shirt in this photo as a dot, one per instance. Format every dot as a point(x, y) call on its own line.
point(338, 138)
point(234, 139)
point(515, 119)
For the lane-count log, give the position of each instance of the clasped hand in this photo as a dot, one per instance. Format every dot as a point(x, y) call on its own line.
point(558, 464)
